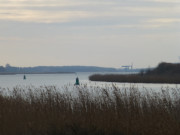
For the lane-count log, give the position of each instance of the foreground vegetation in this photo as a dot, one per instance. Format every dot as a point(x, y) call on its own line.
point(89, 110)
point(163, 73)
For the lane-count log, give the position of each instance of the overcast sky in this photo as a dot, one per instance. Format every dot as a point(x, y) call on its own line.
point(108, 33)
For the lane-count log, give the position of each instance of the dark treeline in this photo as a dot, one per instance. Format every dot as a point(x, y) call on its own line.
point(163, 73)
point(56, 69)
point(165, 69)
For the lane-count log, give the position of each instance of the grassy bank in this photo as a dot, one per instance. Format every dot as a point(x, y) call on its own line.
point(163, 73)
point(136, 78)
point(89, 110)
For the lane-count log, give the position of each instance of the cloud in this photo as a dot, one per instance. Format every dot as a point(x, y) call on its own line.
point(62, 11)
point(164, 20)
point(10, 39)
point(46, 11)
point(42, 16)
point(165, 1)
point(93, 13)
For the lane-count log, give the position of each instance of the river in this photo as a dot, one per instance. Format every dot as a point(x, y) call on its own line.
point(60, 80)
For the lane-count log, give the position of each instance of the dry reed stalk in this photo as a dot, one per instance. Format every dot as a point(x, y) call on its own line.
point(89, 110)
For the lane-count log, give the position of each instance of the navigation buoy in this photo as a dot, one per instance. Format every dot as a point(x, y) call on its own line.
point(77, 81)
point(24, 77)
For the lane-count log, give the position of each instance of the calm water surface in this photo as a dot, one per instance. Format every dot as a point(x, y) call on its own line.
point(60, 80)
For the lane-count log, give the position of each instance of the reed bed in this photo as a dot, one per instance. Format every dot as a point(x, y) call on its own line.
point(87, 110)
point(136, 78)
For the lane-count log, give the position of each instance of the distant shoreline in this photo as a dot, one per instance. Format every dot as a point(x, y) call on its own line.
point(38, 73)
point(163, 73)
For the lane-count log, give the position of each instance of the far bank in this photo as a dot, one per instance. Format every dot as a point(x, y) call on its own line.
point(163, 73)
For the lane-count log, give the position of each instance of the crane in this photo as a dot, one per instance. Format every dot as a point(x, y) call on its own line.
point(128, 66)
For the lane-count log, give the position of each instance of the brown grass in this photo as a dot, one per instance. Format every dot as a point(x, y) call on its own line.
point(89, 110)
point(136, 78)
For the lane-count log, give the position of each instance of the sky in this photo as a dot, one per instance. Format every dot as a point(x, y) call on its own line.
point(106, 33)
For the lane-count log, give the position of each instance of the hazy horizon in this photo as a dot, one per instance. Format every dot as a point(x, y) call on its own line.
point(120, 67)
point(99, 33)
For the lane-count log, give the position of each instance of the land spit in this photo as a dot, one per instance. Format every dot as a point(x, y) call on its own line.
point(163, 73)
point(136, 78)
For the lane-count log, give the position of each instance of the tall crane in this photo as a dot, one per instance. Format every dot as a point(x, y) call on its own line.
point(128, 66)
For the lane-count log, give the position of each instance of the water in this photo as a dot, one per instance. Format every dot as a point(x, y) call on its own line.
point(60, 80)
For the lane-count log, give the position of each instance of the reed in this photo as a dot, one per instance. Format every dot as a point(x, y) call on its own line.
point(136, 78)
point(49, 110)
